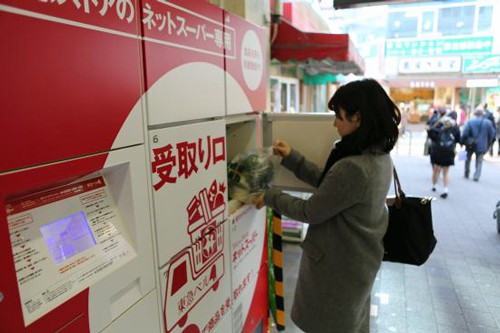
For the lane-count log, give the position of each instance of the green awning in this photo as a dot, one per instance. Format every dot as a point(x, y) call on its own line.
point(320, 79)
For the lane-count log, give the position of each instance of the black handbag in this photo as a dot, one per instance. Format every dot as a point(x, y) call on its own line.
point(471, 144)
point(410, 236)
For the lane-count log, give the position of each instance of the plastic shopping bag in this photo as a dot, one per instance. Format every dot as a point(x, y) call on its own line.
point(251, 173)
point(462, 155)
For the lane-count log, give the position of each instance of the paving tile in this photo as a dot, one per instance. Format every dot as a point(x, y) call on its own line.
point(479, 319)
point(451, 319)
point(450, 329)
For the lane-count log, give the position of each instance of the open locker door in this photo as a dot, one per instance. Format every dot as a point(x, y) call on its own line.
point(312, 134)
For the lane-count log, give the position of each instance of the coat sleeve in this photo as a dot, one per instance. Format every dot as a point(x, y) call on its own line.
point(302, 168)
point(456, 134)
point(343, 187)
point(491, 135)
point(433, 133)
point(465, 133)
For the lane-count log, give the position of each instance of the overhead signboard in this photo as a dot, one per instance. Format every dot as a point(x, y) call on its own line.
point(437, 47)
point(481, 64)
point(429, 65)
point(480, 83)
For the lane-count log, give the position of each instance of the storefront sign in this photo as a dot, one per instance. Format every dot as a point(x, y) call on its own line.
point(429, 65)
point(481, 64)
point(433, 47)
point(478, 83)
point(422, 84)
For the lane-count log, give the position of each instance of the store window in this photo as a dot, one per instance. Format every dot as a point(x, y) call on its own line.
point(402, 25)
point(484, 18)
point(428, 22)
point(320, 98)
point(284, 94)
point(456, 20)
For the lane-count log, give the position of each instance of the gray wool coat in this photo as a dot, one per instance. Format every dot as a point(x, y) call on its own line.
point(343, 249)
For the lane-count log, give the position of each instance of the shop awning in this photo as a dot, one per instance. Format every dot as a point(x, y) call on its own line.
point(317, 53)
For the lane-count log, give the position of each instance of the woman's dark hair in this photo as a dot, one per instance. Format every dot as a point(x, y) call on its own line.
point(380, 117)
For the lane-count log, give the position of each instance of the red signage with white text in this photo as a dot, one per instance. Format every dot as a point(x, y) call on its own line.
point(71, 79)
point(245, 65)
point(184, 60)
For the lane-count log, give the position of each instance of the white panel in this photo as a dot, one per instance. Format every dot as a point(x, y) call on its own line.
point(189, 92)
point(237, 100)
point(189, 178)
point(225, 325)
point(142, 317)
point(125, 171)
point(247, 233)
point(196, 285)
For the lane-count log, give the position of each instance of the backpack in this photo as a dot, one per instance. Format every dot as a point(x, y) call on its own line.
point(446, 139)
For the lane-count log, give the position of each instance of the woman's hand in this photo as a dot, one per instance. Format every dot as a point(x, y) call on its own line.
point(281, 148)
point(258, 201)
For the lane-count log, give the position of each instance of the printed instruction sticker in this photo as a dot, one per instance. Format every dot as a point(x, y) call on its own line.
point(63, 241)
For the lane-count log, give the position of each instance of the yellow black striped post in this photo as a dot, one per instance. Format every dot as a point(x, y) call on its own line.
point(278, 271)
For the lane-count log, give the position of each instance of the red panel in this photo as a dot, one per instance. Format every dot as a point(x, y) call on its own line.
point(66, 90)
point(240, 56)
point(72, 316)
point(258, 307)
point(180, 32)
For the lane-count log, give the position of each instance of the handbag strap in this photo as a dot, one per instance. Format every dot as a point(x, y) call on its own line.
point(397, 188)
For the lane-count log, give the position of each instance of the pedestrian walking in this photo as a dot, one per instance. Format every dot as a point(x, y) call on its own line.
point(437, 114)
point(477, 136)
point(489, 115)
point(498, 130)
point(444, 135)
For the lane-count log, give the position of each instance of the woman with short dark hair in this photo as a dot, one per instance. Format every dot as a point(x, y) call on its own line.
point(346, 213)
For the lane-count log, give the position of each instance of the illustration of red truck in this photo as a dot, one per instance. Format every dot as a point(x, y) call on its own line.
point(197, 269)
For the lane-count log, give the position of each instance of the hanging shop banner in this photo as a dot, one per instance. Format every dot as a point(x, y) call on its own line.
point(481, 64)
point(438, 47)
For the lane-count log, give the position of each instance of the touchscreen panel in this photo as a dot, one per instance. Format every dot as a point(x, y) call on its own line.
point(67, 236)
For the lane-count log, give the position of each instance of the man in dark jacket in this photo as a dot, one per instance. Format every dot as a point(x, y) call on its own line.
point(489, 115)
point(482, 132)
